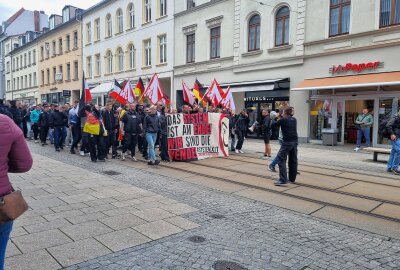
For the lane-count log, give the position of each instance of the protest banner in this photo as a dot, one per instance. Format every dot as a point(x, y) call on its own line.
point(197, 136)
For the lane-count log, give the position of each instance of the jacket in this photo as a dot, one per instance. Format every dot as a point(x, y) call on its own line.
point(4, 110)
point(109, 120)
point(132, 121)
point(44, 119)
point(365, 119)
point(15, 156)
point(266, 126)
point(241, 123)
point(58, 119)
point(17, 114)
point(289, 128)
point(151, 123)
point(163, 125)
point(393, 126)
point(35, 116)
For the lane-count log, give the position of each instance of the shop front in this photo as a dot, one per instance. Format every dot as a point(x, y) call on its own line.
point(335, 103)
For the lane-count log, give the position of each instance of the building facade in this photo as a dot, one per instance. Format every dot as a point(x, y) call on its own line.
point(18, 24)
point(257, 50)
point(60, 54)
point(22, 70)
point(352, 56)
point(126, 40)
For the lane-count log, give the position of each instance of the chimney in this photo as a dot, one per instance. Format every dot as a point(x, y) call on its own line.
point(36, 16)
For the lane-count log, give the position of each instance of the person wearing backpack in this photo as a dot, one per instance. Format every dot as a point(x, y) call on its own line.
point(393, 132)
point(363, 123)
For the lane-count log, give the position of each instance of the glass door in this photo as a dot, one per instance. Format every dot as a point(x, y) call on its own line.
point(388, 108)
point(340, 112)
point(321, 116)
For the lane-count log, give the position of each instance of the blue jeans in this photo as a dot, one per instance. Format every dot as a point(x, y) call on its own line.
point(5, 231)
point(275, 161)
point(394, 158)
point(233, 142)
point(58, 137)
point(366, 132)
point(51, 135)
point(151, 140)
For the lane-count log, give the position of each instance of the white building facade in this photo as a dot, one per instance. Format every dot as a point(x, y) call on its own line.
point(257, 50)
point(128, 39)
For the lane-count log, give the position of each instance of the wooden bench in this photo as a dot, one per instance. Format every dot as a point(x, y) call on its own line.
point(377, 151)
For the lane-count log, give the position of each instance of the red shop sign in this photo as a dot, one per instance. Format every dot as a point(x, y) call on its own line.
point(355, 67)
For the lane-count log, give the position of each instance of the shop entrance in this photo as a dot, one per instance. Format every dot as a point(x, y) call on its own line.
point(352, 109)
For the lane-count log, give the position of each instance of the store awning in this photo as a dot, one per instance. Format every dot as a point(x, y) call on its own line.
point(353, 81)
point(102, 88)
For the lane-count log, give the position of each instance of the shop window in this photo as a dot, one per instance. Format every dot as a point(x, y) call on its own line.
point(389, 13)
point(339, 17)
point(388, 107)
point(320, 117)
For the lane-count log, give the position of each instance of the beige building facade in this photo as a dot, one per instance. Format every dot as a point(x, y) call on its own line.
point(60, 66)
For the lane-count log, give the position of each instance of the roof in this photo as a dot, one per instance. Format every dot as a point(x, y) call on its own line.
point(343, 82)
point(95, 7)
point(15, 16)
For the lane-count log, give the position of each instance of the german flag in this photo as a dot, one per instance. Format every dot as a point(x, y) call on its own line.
point(139, 89)
point(197, 93)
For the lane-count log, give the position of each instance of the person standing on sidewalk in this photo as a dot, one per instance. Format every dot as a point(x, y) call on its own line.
point(44, 124)
point(363, 123)
point(57, 122)
point(393, 130)
point(34, 121)
point(151, 127)
point(15, 157)
point(74, 125)
point(241, 126)
point(288, 124)
point(132, 129)
point(163, 135)
point(266, 130)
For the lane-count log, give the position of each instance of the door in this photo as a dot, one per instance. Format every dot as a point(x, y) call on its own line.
point(387, 109)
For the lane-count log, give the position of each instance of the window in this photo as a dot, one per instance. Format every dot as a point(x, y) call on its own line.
point(20, 61)
point(108, 25)
point(76, 76)
point(147, 11)
point(8, 85)
point(339, 17)
point(109, 62)
point(163, 8)
point(60, 46)
point(162, 40)
point(14, 84)
point(282, 26)
point(215, 40)
point(17, 83)
point(13, 65)
point(25, 60)
point(16, 66)
point(54, 74)
point(390, 13)
point(65, 15)
point(97, 29)
point(75, 40)
point(34, 57)
point(61, 71)
point(131, 50)
point(47, 45)
point(8, 67)
point(29, 58)
point(68, 39)
point(51, 23)
point(190, 48)
point(190, 3)
point(34, 79)
point(68, 71)
point(26, 81)
point(54, 48)
point(120, 55)
point(30, 80)
point(88, 33)
point(97, 66)
point(254, 33)
point(42, 77)
point(119, 22)
point(147, 52)
point(89, 66)
point(48, 76)
point(131, 16)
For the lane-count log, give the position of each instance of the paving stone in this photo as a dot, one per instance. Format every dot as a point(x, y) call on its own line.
point(12, 250)
point(45, 226)
point(18, 231)
point(153, 214)
point(179, 208)
point(388, 210)
point(65, 214)
point(86, 217)
point(182, 223)
point(36, 260)
point(122, 239)
point(157, 229)
point(85, 230)
point(78, 198)
point(123, 221)
point(78, 251)
point(40, 240)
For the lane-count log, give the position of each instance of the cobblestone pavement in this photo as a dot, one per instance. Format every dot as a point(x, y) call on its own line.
point(253, 234)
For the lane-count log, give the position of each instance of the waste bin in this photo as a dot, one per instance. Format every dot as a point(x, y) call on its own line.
point(329, 136)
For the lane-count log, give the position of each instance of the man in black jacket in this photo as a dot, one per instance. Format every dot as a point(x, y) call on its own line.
point(44, 124)
point(57, 122)
point(110, 124)
point(132, 129)
point(241, 126)
point(288, 125)
point(163, 135)
point(266, 130)
point(16, 113)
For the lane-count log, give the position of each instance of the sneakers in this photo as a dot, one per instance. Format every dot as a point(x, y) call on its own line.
point(280, 183)
point(57, 149)
point(357, 149)
point(36, 141)
point(81, 153)
point(271, 168)
point(236, 151)
point(241, 152)
point(156, 162)
point(396, 171)
point(134, 159)
point(150, 162)
point(123, 156)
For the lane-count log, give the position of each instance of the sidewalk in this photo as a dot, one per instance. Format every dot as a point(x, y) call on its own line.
point(77, 215)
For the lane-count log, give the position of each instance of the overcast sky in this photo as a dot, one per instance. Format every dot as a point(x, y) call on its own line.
point(9, 7)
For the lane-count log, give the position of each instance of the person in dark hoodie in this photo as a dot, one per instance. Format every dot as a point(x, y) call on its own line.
point(163, 135)
point(4, 110)
point(132, 129)
point(44, 124)
point(110, 124)
point(16, 113)
point(57, 122)
point(241, 126)
point(151, 126)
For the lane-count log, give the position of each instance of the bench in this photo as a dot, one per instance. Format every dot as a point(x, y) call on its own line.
point(377, 151)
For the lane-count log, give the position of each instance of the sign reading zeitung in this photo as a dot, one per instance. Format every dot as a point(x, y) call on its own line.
point(197, 136)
